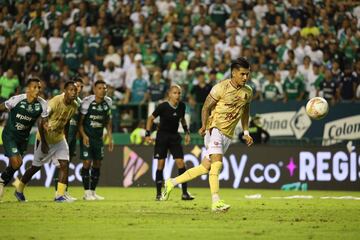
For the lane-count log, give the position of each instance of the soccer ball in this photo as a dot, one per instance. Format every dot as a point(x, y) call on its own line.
point(317, 108)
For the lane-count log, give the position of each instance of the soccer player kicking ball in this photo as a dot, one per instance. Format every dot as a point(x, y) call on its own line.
point(95, 116)
point(228, 102)
point(71, 132)
point(51, 144)
point(24, 110)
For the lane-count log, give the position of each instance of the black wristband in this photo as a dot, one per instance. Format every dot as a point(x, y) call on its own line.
point(147, 133)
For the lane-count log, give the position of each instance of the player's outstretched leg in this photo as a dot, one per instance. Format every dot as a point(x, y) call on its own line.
point(185, 177)
point(217, 204)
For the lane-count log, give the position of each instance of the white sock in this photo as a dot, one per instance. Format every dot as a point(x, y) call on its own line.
point(215, 197)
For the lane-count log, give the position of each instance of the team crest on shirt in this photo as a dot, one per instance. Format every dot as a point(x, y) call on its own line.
point(30, 109)
point(93, 108)
point(14, 150)
point(100, 108)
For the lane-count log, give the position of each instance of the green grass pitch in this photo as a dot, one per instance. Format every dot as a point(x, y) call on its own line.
point(134, 214)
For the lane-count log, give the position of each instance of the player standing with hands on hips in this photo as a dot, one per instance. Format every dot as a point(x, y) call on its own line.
point(168, 138)
point(227, 103)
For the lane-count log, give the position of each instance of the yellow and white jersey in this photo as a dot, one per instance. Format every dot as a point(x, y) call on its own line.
point(59, 115)
point(230, 106)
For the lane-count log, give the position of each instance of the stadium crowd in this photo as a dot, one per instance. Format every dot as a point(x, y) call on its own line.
point(297, 49)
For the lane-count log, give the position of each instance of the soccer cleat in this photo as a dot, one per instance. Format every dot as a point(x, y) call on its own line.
point(88, 196)
point(20, 196)
point(220, 206)
point(67, 195)
point(61, 199)
point(168, 188)
point(97, 197)
point(187, 197)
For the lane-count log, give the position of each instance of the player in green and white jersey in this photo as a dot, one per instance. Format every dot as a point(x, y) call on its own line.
point(95, 116)
point(24, 110)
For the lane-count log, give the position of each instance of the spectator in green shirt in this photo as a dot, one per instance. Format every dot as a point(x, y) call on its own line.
point(294, 88)
point(9, 85)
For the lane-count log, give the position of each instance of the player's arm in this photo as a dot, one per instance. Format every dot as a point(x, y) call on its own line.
point(209, 104)
point(42, 126)
point(245, 124)
point(82, 131)
point(3, 107)
point(149, 124)
point(186, 130)
point(66, 130)
point(109, 133)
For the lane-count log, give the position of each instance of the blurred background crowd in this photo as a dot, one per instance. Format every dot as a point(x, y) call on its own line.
point(298, 49)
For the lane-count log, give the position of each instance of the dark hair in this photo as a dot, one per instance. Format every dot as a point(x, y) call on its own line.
point(32, 79)
point(99, 82)
point(78, 79)
point(68, 83)
point(240, 62)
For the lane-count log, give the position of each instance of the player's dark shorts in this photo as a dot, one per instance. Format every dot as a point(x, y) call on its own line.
point(13, 146)
point(95, 150)
point(168, 142)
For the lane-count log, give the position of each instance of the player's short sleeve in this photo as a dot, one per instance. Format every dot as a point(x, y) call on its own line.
point(86, 104)
point(158, 110)
point(44, 107)
point(217, 91)
point(109, 103)
point(13, 101)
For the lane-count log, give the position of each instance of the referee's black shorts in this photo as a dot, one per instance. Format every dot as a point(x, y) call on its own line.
point(168, 141)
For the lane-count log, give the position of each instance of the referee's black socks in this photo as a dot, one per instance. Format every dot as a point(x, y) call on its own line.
point(184, 185)
point(159, 181)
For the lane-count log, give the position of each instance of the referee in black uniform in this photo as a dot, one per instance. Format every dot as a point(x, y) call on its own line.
point(168, 138)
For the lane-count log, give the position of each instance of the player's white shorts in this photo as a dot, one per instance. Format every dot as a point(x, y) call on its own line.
point(57, 151)
point(216, 142)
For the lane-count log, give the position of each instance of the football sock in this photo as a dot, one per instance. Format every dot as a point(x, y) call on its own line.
point(19, 185)
point(183, 185)
point(85, 178)
point(95, 175)
point(61, 189)
point(214, 180)
point(190, 174)
point(8, 174)
point(159, 181)
point(56, 178)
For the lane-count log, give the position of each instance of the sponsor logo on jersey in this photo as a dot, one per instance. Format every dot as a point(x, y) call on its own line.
point(23, 117)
